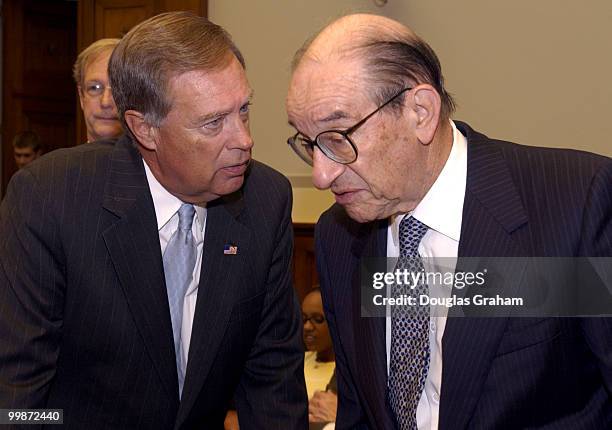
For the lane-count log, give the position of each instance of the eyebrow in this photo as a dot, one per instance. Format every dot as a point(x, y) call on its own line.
point(216, 114)
point(335, 115)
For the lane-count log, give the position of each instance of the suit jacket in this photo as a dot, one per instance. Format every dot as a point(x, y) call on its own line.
point(84, 316)
point(498, 373)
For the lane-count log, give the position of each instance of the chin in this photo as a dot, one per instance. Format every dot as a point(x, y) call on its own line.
point(360, 215)
point(108, 132)
point(231, 185)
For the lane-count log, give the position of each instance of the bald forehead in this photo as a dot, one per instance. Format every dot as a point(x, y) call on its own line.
point(340, 37)
point(321, 85)
point(330, 79)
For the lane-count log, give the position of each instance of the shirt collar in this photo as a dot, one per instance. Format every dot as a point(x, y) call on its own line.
point(166, 204)
point(441, 209)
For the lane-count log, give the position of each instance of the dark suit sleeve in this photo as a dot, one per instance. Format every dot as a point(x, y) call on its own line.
point(31, 294)
point(350, 414)
point(272, 393)
point(596, 241)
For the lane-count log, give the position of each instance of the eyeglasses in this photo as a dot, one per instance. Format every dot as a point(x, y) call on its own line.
point(95, 89)
point(316, 318)
point(335, 144)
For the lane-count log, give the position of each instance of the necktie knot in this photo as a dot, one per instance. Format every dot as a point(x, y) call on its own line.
point(411, 231)
point(186, 212)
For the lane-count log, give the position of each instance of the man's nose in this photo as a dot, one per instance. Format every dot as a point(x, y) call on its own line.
point(242, 139)
point(106, 99)
point(324, 170)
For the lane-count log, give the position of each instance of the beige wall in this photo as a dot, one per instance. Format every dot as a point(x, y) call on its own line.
point(535, 72)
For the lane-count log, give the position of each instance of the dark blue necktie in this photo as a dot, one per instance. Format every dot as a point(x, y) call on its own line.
point(409, 358)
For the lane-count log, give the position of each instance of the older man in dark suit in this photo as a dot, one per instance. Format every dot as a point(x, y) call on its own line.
point(145, 283)
point(372, 116)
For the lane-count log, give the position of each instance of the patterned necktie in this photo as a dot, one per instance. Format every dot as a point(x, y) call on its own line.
point(409, 358)
point(179, 262)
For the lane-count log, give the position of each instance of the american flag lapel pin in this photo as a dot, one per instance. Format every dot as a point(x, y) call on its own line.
point(230, 249)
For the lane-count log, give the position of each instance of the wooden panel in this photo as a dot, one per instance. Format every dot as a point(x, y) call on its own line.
point(38, 93)
point(114, 18)
point(52, 120)
point(304, 264)
point(199, 7)
point(49, 41)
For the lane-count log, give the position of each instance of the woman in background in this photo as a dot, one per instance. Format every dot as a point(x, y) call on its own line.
point(319, 366)
point(319, 363)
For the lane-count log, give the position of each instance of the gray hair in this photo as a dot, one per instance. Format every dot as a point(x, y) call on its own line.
point(393, 64)
point(156, 50)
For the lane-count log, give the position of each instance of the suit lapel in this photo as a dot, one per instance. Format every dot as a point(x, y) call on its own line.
point(369, 332)
point(492, 212)
point(133, 245)
point(221, 280)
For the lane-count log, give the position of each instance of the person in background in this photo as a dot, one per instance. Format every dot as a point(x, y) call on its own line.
point(27, 147)
point(319, 360)
point(90, 72)
point(319, 363)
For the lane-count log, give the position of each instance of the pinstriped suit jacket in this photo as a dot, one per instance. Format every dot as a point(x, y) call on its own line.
point(84, 317)
point(498, 373)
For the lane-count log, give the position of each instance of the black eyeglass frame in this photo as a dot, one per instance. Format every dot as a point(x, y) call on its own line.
point(344, 133)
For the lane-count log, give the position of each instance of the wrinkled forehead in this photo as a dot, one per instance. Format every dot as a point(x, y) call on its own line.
point(319, 89)
point(228, 81)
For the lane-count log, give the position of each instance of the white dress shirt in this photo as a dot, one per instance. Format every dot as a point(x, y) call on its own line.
point(441, 210)
point(166, 212)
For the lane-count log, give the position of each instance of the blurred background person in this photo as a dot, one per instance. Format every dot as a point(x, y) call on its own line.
point(319, 367)
point(319, 364)
point(90, 73)
point(27, 147)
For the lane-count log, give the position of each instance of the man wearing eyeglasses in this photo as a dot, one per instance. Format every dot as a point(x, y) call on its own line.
point(373, 118)
point(90, 73)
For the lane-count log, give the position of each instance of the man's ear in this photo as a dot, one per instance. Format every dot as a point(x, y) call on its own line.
point(427, 105)
point(145, 133)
